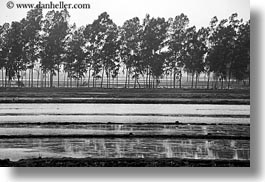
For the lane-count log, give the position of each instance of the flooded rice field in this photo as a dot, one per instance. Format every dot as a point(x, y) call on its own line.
point(16, 149)
point(125, 131)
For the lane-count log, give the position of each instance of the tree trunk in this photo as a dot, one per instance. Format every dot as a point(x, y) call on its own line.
point(129, 71)
point(215, 83)
point(48, 79)
point(152, 81)
point(109, 78)
point(32, 76)
point(180, 79)
point(196, 79)
point(117, 81)
point(174, 79)
point(77, 81)
point(134, 86)
point(21, 80)
point(38, 79)
point(6, 77)
point(149, 79)
point(208, 81)
point(146, 80)
point(126, 76)
point(18, 81)
point(9, 79)
point(64, 78)
point(29, 77)
point(68, 78)
point(67, 81)
point(102, 78)
point(88, 80)
point(108, 75)
point(166, 81)
point(93, 81)
point(229, 78)
point(192, 78)
point(25, 78)
point(138, 83)
point(143, 80)
point(171, 80)
point(58, 77)
point(51, 79)
point(2, 77)
point(45, 79)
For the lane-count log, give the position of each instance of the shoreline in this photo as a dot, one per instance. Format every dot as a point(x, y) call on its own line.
point(122, 162)
point(124, 96)
point(124, 101)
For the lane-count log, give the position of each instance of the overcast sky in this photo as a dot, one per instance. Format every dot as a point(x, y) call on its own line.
point(199, 12)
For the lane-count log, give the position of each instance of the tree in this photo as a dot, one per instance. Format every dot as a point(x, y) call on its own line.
point(75, 64)
point(210, 44)
point(3, 49)
point(14, 50)
point(176, 41)
point(103, 46)
point(195, 49)
point(55, 29)
point(131, 32)
point(154, 39)
point(31, 38)
point(240, 68)
point(110, 52)
point(92, 51)
point(222, 54)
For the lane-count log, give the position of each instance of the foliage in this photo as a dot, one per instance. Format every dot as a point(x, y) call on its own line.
point(151, 49)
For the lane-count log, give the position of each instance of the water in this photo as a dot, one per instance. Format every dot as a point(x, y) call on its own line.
point(141, 129)
point(16, 149)
point(124, 113)
point(14, 116)
point(159, 109)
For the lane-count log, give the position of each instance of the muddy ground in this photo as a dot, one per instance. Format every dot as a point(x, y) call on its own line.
point(99, 95)
point(88, 162)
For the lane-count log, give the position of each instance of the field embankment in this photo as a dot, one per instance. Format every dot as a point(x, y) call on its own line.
point(145, 96)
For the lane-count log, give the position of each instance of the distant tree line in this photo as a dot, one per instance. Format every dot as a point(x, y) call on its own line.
point(150, 51)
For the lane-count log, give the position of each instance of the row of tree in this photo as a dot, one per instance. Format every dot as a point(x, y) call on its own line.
point(149, 50)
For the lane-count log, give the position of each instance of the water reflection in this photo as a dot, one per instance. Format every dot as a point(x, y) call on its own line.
point(125, 148)
point(107, 128)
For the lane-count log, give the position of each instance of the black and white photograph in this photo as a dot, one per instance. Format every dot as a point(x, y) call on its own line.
point(125, 83)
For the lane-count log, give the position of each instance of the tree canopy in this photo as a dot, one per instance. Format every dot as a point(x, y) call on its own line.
point(150, 49)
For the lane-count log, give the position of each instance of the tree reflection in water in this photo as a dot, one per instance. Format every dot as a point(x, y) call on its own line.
point(126, 148)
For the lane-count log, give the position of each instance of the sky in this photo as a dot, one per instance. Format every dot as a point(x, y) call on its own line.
point(199, 12)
